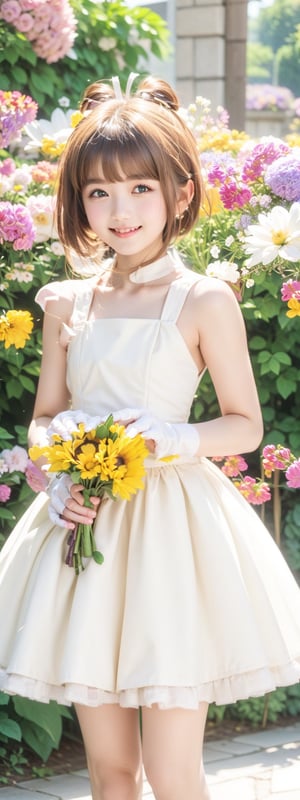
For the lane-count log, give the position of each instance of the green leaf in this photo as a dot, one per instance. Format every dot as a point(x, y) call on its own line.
point(98, 557)
point(284, 358)
point(14, 388)
point(285, 386)
point(263, 357)
point(257, 343)
point(4, 434)
point(19, 75)
point(28, 384)
point(4, 699)
point(37, 739)
point(10, 728)
point(44, 716)
point(5, 513)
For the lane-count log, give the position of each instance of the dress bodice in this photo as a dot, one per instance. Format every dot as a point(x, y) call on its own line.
point(139, 363)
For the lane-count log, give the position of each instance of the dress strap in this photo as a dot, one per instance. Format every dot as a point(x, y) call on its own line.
point(82, 303)
point(177, 294)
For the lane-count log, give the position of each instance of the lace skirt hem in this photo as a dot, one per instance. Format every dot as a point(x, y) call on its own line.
point(221, 692)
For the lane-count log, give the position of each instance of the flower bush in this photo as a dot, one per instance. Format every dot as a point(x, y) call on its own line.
point(248, 234)
point(265, 97)
point(49, 25)
point(110, 39)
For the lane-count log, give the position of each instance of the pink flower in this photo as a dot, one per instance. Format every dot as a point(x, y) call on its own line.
point(5, 492)
point(35, 478)
point(16, 225)
point(256, 492)
point(16, 458)
point(233, 195)
point(263, 153)
point(290, 290)
point(293, 475)
point(276, 458)
point(233, 465)
point(7, 167)
point(10, 11)
point(24, 23)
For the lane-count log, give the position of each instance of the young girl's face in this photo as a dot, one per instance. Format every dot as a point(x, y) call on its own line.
point(128, 215)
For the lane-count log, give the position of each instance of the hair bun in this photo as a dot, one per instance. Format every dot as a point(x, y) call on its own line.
point(158, 91)
point(95, 93)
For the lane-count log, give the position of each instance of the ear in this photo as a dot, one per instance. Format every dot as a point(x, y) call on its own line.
point(184, 196)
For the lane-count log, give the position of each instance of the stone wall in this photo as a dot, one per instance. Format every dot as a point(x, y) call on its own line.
point(210, 53)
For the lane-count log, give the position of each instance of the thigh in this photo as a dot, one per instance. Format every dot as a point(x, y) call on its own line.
point(111, 737)
point(172, 743)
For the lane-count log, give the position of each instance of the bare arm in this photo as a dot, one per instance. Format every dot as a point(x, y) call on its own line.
point(52, 394)
point(223, 346)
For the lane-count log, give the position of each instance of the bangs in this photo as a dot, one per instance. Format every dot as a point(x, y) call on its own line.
point(114, 158)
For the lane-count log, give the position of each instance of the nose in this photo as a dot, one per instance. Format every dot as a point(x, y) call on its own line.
point(121, 207)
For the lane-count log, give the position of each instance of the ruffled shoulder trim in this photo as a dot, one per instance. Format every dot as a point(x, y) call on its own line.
point(57, 290)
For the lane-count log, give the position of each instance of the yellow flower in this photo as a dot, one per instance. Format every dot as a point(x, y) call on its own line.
point(132, 453)
point(224, 140)
point(294, 306)
point(212, 203)
point(76, 118)
point(86, 463)
point(15, 328)
point(107, 458)
point(52, 148)
point(60, 456)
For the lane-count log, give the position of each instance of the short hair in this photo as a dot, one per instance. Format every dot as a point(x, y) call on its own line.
point(142, 135)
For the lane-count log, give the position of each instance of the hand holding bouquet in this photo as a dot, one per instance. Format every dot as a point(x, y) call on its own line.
point(103, 459)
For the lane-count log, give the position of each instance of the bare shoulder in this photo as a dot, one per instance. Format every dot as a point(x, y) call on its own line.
point(212, 296)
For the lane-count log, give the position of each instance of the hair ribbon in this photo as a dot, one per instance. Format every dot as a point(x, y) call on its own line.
point(117, 86)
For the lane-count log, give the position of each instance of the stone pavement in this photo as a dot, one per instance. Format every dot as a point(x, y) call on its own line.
point(254, 766)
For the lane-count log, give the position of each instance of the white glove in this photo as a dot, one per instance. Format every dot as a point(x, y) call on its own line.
point(59, 491)
point(65, 423)
point(180, 438)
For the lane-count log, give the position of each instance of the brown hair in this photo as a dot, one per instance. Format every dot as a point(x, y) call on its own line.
point(140, 135)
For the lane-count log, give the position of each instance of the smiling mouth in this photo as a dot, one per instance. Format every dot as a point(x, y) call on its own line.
point(124, 231)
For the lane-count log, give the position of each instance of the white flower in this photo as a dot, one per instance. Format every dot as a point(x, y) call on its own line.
point(250, 282)
point(225, 270)
point(41, 207)
point(229, 241)
point(107, 43)
point(277, 233)
point(16, 459)
point(215, 251)
point(58, 128)
point(64, 102)
point(57, 248)
point(21, 177)
point(3, 465)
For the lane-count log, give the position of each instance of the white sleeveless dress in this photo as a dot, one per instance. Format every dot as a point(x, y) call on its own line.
point(193, 601)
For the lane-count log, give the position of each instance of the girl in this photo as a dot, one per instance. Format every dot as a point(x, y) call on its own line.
point(194, 602)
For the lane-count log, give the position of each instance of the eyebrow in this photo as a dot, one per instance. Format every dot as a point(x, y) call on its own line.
point(128, 178)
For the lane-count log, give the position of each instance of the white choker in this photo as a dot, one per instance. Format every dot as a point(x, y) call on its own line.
point(158, 269)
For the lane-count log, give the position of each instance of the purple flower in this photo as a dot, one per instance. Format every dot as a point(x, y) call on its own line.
point(16, 110)
point(5, 492)
point(283, 177)
point(266, 97)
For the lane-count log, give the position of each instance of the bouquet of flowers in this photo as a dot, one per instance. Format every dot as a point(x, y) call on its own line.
point(105, 461)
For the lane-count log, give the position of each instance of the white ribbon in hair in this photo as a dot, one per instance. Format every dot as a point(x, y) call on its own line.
point(117, 86)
